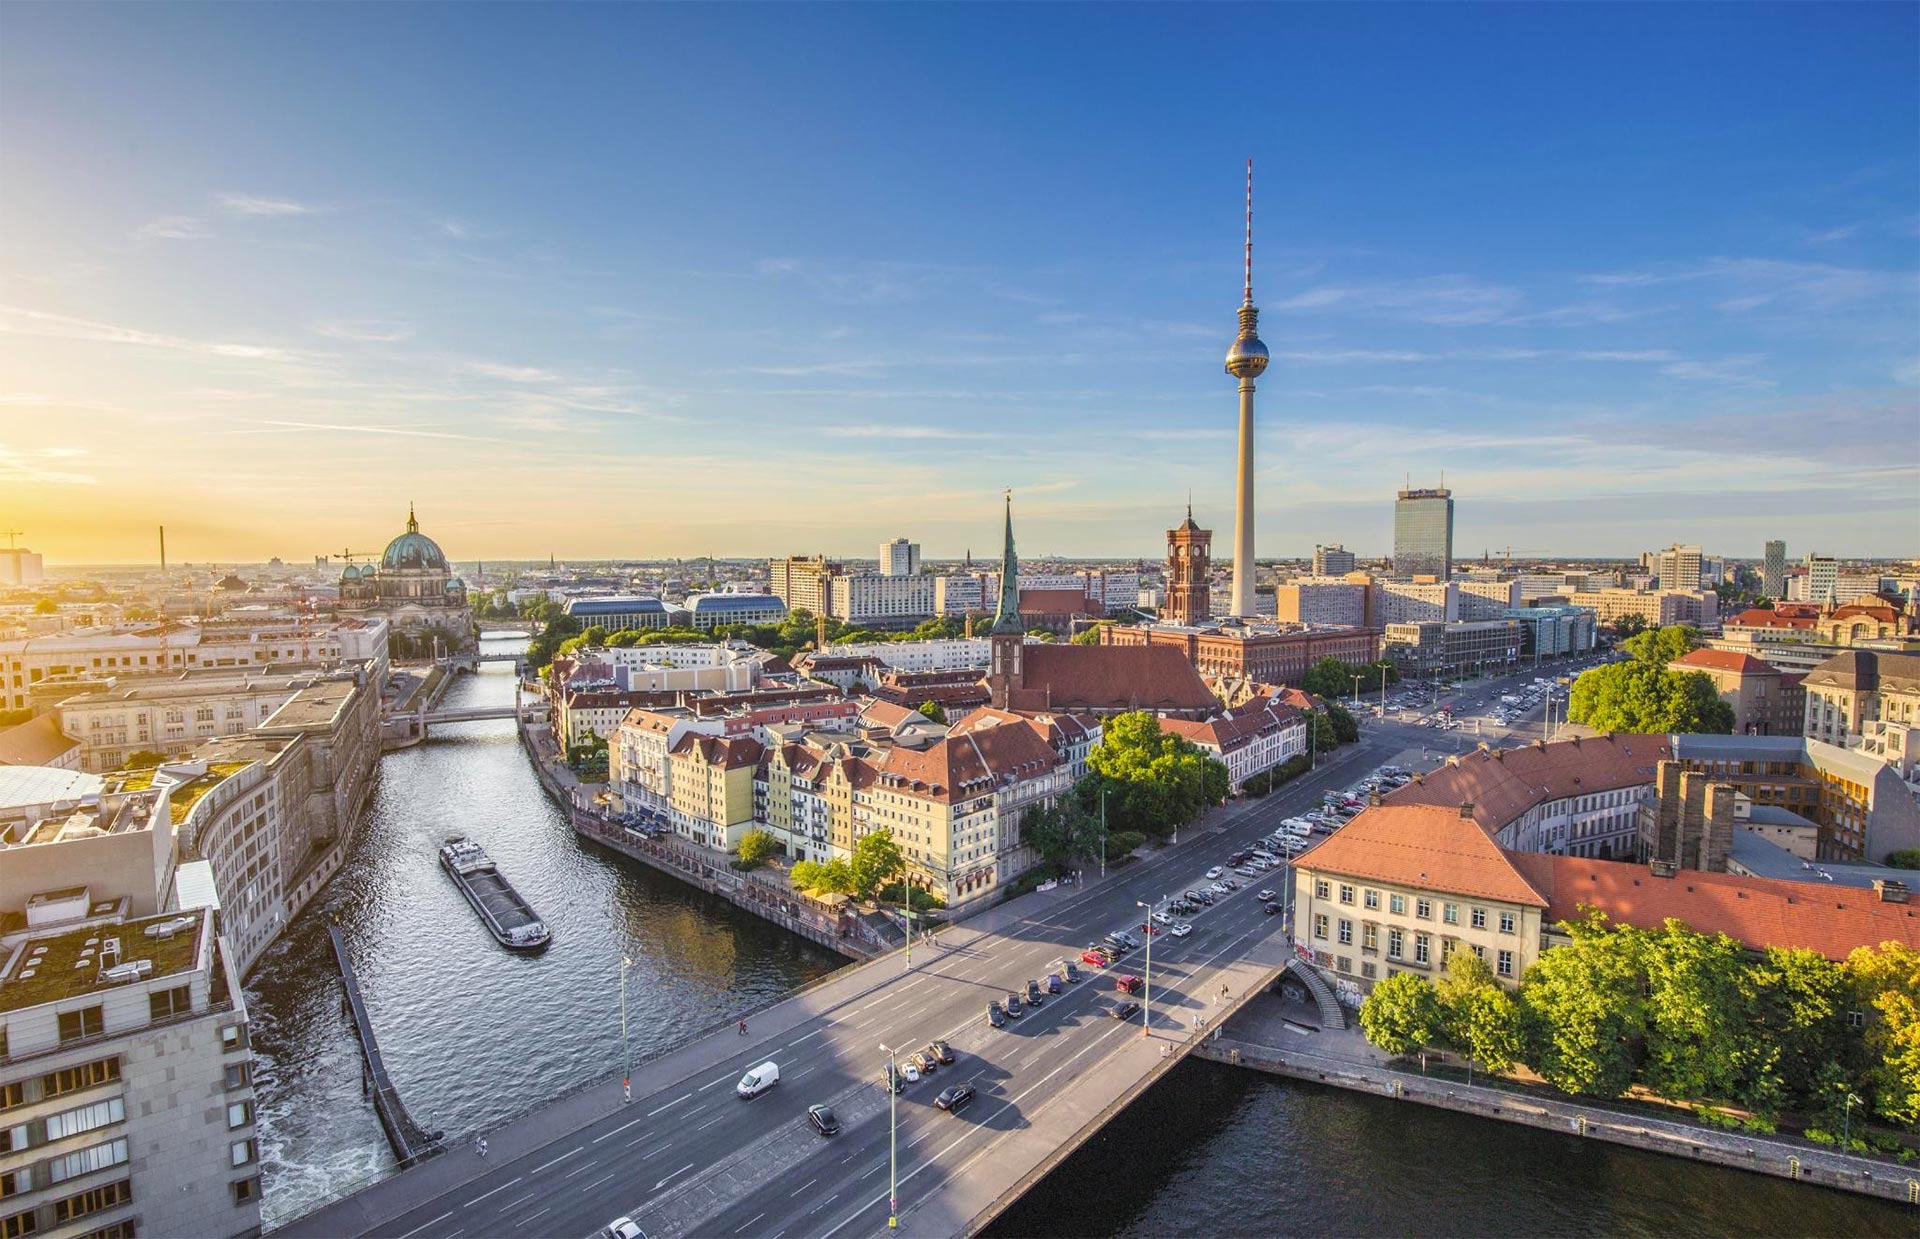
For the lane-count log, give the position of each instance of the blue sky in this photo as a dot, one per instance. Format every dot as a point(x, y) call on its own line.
point(752, 280)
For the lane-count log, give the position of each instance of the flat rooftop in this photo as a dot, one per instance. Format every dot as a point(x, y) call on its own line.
point(58, 965)
point(1766, 859)
point(316, 705)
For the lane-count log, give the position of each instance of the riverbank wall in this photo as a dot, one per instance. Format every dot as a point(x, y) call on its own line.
point(1762, 1155)
point(845, 935)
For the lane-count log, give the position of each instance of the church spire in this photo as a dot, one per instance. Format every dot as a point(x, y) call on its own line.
point(1007, 617)
point(413, 526)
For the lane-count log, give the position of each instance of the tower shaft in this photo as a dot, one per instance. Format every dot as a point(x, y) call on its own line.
point(1243, 509)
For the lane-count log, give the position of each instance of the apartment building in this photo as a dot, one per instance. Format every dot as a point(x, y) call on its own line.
point(1869, 702)
point(875, 600)
point(958, 654)
point(1469, 647)
point(1335, 560)
point(710, 788)
point(1416, 602)
point(1248, 741)
point(899, 558)
point(1481, 600)
point(1677, 567)
point(1334, 602)
point(1657, 608)
point(1765, 700)
point(804, 583)
point(960, 594)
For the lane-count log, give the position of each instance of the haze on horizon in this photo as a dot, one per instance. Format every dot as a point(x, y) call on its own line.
point(643, 282)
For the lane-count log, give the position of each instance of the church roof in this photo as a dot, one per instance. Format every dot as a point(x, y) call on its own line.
point(413, 550)
point(1103, 678)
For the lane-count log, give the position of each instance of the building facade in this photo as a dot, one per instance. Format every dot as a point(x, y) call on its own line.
point(803, 582)
point(1423, 533)
point(1773, 570)
point(1269, 654)
point(1189, 573)
point(899, 558)
point(1469, 647)
point(1333, 560)
point(1869, 702)
point(874, 600)
point(414, 589)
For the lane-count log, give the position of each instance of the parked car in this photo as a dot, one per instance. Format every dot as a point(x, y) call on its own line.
point(922, 1062)
point(823, 1119)
point(1149, 928)
point(1127, 983)
point(895, 1080)
point(996, 1015)
point(1013, 1006)
point(1072, 973)
point(909, 1072)
point(1054, 983)
point(939, 1051)
point(1180, 929)
point(953, 1099)
point(1095, 958)
point(1033, 993)
point(1215, 872)
point(1124, 1010)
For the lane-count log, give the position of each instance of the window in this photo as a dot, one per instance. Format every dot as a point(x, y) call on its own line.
point(239, 1075)
point(167, 1003)
point(1396, 941)
point(86, 1161)
point(245, 1190)
point(1423, 908)
point(1346, 932)
point(1346, 893)
point(73, 1079)
point(1397, 904)
point(14, 1182)
point(1450, 913)
point(93, 1200)
point(17, 1224)
point(124, 1229)
point(241, 1152)
point(1367, 969)
point(1479, 918)
point(1370, 937)
point(1506, 922)
point(12, 1095)
point(1320, 925)
point(86, 1022)
point(1856, 1019)
point(1422, 949)
point(86, 1118)
point(239, 1114)
point(1371, 899)
point(1504, 963)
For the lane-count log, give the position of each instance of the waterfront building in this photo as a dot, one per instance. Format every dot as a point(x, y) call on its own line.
point(618, 612)
point(710, 788)
point(1189, 572)
point(899, 558)
point(1869, 702)
point(804, 583)
point(414, 589)
point(1435, 648)
point(1333, 560)
point(126, 1086)
point(1765, 700)
point(1773, 571)
point(1402, 886)
point(1423, 533)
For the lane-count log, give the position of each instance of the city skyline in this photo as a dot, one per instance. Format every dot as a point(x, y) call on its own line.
point(629, 316)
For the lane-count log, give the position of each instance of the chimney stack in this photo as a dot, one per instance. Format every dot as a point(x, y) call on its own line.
point(1890, 890)
point(1466, 809)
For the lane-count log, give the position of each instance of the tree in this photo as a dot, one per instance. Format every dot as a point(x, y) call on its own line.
point(1886, 981)
point(1701, 1040)
point(833, 877)
point(1043, 635)
point(757, 847)
point(1642, 697)
point(46, 606)
point(1324, 739)
point(1401, 1015)
point(1801, 999)
point(1124, 843)
point(1477, 1016)
point(1584, 1012)
point(1661, 646)
point(1629, 625)
point(877, 860)
point(1905, 858)
point(1153, 780)
point(1345, 729)
point(934, 710)
point(1090, 636)
point(142, 759)
point(1061, 832)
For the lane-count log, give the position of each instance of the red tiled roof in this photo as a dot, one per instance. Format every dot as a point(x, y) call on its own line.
point(1100, 678)
point(1419, 845)
point(1054, 602)
point(1721, 660)
point(1502, 784)
point(1758, 912)
point(967, 765)
point(727, 752)
point(1761, 617)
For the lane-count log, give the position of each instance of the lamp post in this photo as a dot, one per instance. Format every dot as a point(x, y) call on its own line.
point(1146, 984)
point(626, 1058)
point(1846, 1120)
point(893, 1148)
point(1356, 690)
point(1383, 690)
point(1103, 832)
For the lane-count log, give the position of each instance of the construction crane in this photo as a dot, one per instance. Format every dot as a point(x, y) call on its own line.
point(13, 534)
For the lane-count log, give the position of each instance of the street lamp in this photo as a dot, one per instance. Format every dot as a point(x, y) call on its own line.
point(1103, 832)
point(893, 1148)
point(1383, 690)
point(1356, 689)
point(1146, 985)
point(626, 1058)
point(1846, 1120)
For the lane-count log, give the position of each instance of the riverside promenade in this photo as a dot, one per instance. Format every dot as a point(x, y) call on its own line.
point(1281, 1036)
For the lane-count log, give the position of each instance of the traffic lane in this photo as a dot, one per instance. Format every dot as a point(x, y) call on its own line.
point(1193, 980)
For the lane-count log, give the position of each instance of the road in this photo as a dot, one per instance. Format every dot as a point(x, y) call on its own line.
point(643, 1160)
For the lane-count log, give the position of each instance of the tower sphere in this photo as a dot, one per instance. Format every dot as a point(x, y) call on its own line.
point(1247, 359)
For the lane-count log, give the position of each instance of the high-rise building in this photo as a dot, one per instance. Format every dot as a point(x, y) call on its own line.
point(20, 566)
point(1246, 361)
point(1189, 564)
point(899, 558)
point(802, 582)
point(1423, 533)
point(1678, 567)
point(1823, 575)
point(1333, 560)
point(1773, 572)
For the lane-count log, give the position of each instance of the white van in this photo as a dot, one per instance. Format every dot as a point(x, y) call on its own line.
point(759, 1080)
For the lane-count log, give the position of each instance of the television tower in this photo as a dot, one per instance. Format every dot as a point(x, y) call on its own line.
point(1246, 361)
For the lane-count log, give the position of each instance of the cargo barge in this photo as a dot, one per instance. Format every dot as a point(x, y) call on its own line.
point(511, 920)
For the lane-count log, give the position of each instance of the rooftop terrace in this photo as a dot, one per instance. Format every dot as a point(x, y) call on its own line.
point(50, 967)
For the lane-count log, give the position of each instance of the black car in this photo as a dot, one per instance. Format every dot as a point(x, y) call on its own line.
point(940, 1052)
point(996, 1016)
point(894, 1080)
point(1272, 909)
point(1013, 1006)
point(823, 1119)
point(1124, 1010)
point(1033, 993)
point(952, 1099)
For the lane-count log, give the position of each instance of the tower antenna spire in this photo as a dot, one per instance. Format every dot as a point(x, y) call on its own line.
point(1249, 291)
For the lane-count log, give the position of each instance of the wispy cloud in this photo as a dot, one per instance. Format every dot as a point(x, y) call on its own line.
point(511, 374)
point(21, 321)
point(367, 331)
point(24, 465)
point(1755, 282)
point(253, 204)
point(1440, 299)
point(890, 431)
point(1727, 371)
point(271, 425)
point(1843, 233)
point(172, 228)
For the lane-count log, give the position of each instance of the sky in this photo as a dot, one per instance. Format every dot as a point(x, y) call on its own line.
point(684, 280)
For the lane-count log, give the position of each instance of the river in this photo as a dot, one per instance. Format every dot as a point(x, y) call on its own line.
point(474, 1035)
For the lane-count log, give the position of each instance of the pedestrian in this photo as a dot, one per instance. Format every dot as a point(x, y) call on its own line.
point(743, 1028)
point(481, 1147)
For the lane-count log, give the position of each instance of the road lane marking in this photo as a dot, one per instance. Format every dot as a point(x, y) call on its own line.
point(556, 1161)
point(710, 1122)
point(582, 1168)
point(750, 1221)
point(510, 1204)
point(597, 1182)
point(616, 1131)
point(797, 1040)
point(704, 1087)
point(670, 1105)
point(416, 1230)
point(531, 1216)
point(803, 1187)
point(483, 1195)
point(676, 1174)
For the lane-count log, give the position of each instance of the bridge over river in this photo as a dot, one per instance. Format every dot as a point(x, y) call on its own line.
point(687, 1156)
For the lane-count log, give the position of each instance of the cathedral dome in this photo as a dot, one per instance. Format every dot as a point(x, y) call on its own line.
point(413, 550)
